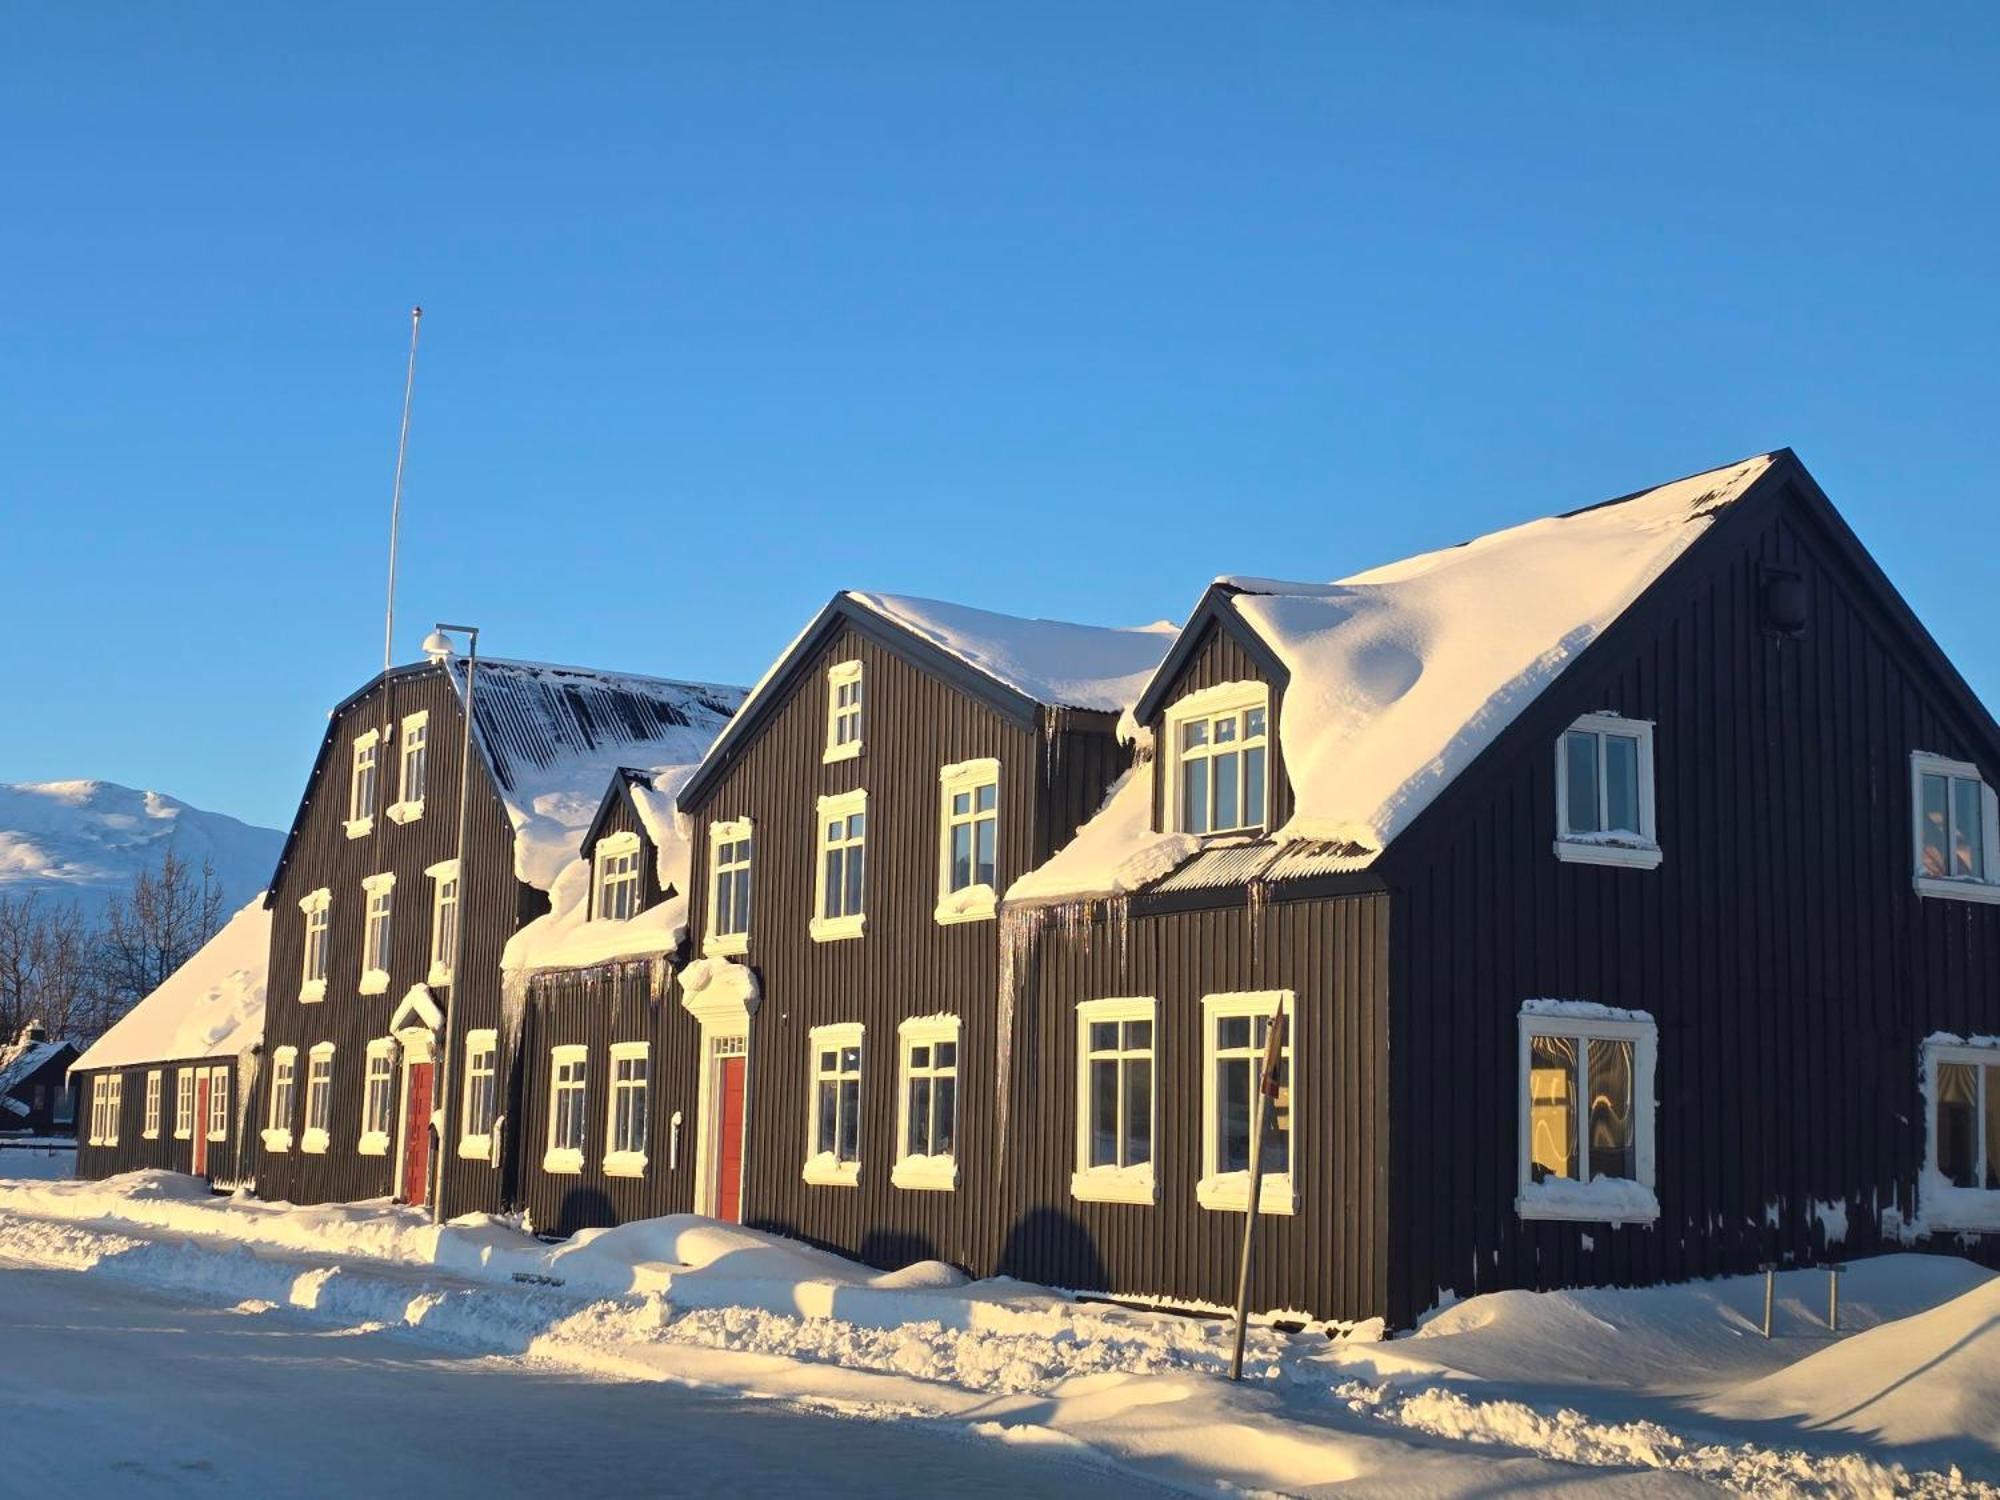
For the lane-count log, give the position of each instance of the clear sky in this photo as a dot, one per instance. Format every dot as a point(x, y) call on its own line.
point(1058, 309)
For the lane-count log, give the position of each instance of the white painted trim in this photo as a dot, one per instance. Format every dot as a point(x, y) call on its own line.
point(375, 884)
point(718, 1030)
point(1206, 703)
point(149, 1120)
point(840, 673)
point(407, 809)
point(442, 874)
point(1634, 1026)
point(1137, 1183)
point(1943, 1204)
point(823, 1168)
point(477, 1147)
point(218, 1103)
point(622, 846)
point(825, 929)
point(316, 1138)
point(359, 824)
point(1607, 847)
point(932, 1174)
point(184, 1104)
point(728, 831)
point(1624, 856)
point(1985, 891)
point(278, 1137)
point(624, 1163)
point(419, 1044)
point(566, 1159)
point(376, 1142)
point(1230, 1191)
point(974, 903)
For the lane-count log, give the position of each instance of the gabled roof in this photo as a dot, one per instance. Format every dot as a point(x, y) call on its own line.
point(1016, 666)
point(211, 1006)
point(550, 736)
point(20, 1061)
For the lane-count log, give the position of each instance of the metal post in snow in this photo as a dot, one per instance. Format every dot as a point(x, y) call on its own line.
point(1267, 1090)
point(1833, 1275)
point(442, 1104)
point(1770, 1290)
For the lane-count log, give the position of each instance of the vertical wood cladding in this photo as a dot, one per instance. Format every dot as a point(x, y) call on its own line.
point(1218, 658)
point(229, 1160)
point(1328, 1257)
point(1791, 968)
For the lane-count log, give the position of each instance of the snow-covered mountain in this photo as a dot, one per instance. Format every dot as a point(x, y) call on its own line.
point(86, 840)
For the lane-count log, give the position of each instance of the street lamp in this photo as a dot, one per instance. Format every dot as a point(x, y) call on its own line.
point(439, 648)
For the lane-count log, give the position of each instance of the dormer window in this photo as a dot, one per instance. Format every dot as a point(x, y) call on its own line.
point(617, 881)
point(1218, 744)
point(1957, 833)
point(361, 784)
point(843, 711)
point(1604, 793)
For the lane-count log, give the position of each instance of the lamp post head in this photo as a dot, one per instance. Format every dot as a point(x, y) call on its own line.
point(437, 646)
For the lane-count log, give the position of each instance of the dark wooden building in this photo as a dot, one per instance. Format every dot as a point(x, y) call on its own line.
point(35, 1096)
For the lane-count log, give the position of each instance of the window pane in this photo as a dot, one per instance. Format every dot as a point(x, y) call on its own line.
point(1935, 818)
point(825, 1136)
point(1253, 723)
point(850, 1119)
point(961, 804)
point(947, 1054)
point(1968, 859)
point(830, 907)
point(1621, 782)
point(1232, 1032)
point(961, 856)
point(854, 858)
point(1225, 731)
point(1138, 1036)
point(1253, 788)
point(983, 863)
point(1957, 1124)
point(989, 797)
point(1194, 736)
point(1580, 762)
point(1103, 1036)
point(1138, 1111)
point(919, 1106)
point(1551, 1107)
point(1227, 769)
point(944, 1124)
point(1232, 1123)
point(1104, 1113)
point(1613, 1151)
point(1194, 796)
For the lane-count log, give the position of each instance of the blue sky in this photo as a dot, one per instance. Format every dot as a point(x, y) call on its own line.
point(1054, 309)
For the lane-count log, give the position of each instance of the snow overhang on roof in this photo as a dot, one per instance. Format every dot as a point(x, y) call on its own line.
point(211, 1006)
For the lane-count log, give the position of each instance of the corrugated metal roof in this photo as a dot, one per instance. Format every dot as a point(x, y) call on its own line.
point(1220, 866)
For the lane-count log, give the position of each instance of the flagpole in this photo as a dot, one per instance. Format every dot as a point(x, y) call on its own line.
point(396, 500)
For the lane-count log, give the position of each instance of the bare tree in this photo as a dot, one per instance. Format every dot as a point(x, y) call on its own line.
point(156, 928)
point(50, 969)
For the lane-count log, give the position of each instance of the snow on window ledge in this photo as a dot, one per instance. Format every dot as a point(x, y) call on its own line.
point(1230, 1192)
point(827, 1170)
point(1115, 1185)
point(439, 976)
point(1982, 891)
point(1602, 1200)
point(311, 991)
point(1631, 851)
point(405, 812)
point(837, 753)
point(1945, 1206)
point(359, 828)
point(926, 1174)
point(563, 1160)
point(274, 1140)
point(374, 982)
point(726, 944)
point(835, 929)
point(373, 1143)
point(475, 1147)
point(625, 1164)
point(315, 1141)
point(975, 903)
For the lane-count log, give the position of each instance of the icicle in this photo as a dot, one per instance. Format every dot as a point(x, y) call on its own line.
point(1255, 899)
point(1018, 930)
point(247, 1067)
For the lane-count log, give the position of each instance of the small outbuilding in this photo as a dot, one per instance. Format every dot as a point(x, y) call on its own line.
point(35, 1097)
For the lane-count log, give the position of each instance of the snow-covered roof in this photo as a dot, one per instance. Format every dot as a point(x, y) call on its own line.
point(211, 1006)
point(20, 1061)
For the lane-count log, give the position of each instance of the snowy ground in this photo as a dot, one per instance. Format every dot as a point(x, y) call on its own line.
point(1650, 1392)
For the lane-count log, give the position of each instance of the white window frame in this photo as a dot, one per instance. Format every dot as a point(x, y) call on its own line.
point(1575, 1200)
point(626, 1163)
point(624, 848)
point(444, 877)
point(107, 1103)
point(150, 1127)
point(365, 756)
point(1137, 1182)
point(1230, 1191)
point(840, 805)
point(721, 834)
point(975, 902)
point(1986, 889)
point(413, 735)
point(567, 1160)
point(1222, 700)
point(218, 1104)
point(825, 1169)
point(1619, 847)
point(284, 1092)
point(844, 674)
point(375, 981)
point(482, 1046)
point(927, 1173)
point(184, 1104)
point(316, 1138)
point(318, 908)
point(381, 1068)
point(1943, 1204)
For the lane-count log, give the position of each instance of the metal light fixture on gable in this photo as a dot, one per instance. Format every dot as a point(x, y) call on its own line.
point(437, 646)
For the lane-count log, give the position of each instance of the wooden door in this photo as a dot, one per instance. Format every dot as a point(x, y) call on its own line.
point(417, 1134)
point(729, 1145)
point(201, 1123)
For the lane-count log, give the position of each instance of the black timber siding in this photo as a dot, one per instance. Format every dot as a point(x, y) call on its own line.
point(1792, 970)
point(1219, 657)
point(41, 1091)
point(230, 1161)
point(1327, 1258)
point(492, 901)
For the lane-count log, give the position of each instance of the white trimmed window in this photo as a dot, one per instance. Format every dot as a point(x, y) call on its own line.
point(1117, 1101)
point(318, 1132)
point(1604, 793)
point(218, 1104)
point(378, 1098)
point(151, 1128)
point(1236, 1029)
point(482, 1095)
point(312, 979)
point(284, 1084)
point(729, 851)
point(413, 767)
point(381, 893)
point(833, 1112)
point(444, 922)
point(927, 1111)
point(569, 1090)
point(1586, 1113)
point(107, 1102)
point(843, 711)
point(1961, 1183)
point(615, 883)
point(1218, 746)
point(843, 855)
point(361, 783)
point(625, 1129)
point(1957, 829)
point(184, 1104)
point(969, 841)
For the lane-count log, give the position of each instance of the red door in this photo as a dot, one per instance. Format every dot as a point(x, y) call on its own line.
point(201, 1123)
point(417, 1135)
point(729, 1159)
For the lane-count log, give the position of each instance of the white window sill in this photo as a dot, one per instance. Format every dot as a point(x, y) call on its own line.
point(837, 929)
point(475, 1148)
point(149, 1135)
point(374, 982)
point(837, 753)
point(1579, 851)
point(373, 1143)
point(1605, 1200)
point(1229, 1192)
point(404, 812)
point(274, 1140)
point(567, 1162)
point(926, 1174)
point(312, 991)
point(824, 1171)
point(359, 828)
point(975, 903)
point(315, 1141)
point(188, 1135)
point(1958, 1210)
point(726, 944)
point(1981, 891)
point(625, 1164)
point(1113, 1185)
point(217, 1137)
point(439, 976)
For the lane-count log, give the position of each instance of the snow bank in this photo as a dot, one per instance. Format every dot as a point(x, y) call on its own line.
point(211, 1006)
